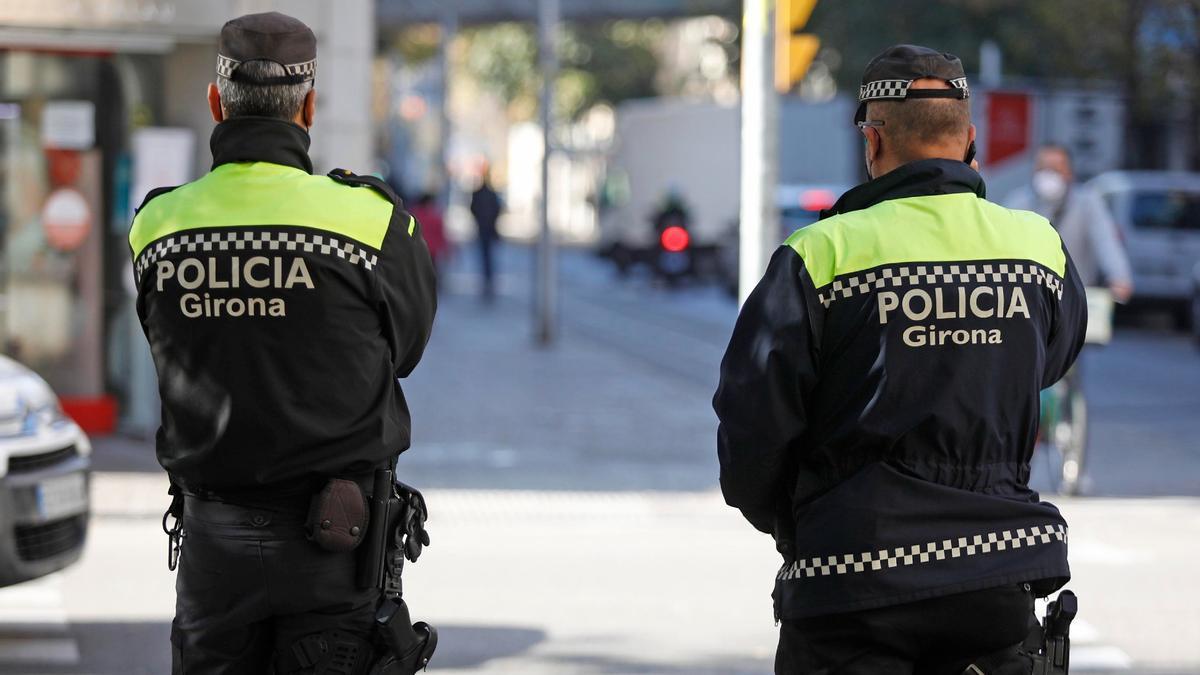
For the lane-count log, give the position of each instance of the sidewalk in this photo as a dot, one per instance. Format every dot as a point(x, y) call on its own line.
point(491, 409)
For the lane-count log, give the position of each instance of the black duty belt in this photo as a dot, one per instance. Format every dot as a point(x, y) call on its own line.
point(224, 513)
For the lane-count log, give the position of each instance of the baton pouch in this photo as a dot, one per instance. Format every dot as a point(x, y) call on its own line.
point(338, 516)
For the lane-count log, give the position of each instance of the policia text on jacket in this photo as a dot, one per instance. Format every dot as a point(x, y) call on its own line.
point(193, 274)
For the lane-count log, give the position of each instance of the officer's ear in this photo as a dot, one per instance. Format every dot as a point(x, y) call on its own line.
point(214, 103)
point(308, 111)
point(873, 141)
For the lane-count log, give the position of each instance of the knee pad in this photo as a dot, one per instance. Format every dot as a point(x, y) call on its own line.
point(332, 652)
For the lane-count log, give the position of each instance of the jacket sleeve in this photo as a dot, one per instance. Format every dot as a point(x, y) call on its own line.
point(1068, 325)
point(1105, 240)
point(768, 372)
point(407, 291)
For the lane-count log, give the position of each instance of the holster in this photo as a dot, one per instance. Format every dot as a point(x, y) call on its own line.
point(396, 533)
point(410, 645)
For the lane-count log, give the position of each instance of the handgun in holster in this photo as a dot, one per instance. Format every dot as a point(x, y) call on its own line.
point(396, 532)
point(1050, 644)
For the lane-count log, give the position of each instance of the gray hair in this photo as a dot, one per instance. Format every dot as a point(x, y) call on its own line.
point(240, 98)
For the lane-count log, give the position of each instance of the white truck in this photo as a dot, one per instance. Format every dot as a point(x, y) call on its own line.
point(690, 151)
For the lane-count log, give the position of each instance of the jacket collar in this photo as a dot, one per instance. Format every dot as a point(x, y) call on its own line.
point(916, 179)
point(260, 139)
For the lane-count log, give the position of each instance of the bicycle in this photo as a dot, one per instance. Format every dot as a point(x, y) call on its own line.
point(1063, 432)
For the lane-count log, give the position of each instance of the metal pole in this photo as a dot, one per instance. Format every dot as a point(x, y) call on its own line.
point(759, 230)
point(545, 277)
point(449, 28)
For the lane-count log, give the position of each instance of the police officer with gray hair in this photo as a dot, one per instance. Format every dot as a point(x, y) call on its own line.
point(282, 308)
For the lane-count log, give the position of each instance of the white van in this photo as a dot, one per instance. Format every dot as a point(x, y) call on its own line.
point(1158, 213)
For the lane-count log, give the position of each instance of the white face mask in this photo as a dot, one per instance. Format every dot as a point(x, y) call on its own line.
point(1049, 185)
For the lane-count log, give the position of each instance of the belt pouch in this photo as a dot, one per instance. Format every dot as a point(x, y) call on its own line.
point(338, 516)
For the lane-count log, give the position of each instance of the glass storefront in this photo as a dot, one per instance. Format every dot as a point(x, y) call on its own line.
point(65, 121)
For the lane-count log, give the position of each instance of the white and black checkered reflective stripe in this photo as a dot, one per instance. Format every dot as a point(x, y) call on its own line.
point(912, 275)
point(226, 66)
point(250, 240)
point(306, 70)
point(898, 89)
point(920, 554)
point(883, 89)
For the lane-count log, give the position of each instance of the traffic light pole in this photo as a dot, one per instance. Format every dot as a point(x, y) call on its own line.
point(545, 292)
point(759, 230)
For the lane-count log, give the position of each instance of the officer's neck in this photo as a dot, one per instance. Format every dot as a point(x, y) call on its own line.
point(260, 139)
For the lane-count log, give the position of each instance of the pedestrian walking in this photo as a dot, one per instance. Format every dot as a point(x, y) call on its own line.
point(486, 208)
point(433, 226)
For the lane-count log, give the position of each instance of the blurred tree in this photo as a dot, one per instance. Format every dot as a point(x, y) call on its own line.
point(1149, 47)
point(503, 58)
point(1062, 39)
point(602, 62)
point(609, 63)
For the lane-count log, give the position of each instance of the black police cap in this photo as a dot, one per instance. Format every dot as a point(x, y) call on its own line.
point(269, 36)
point(890, 75)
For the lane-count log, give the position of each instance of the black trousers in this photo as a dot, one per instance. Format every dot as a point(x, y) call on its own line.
point(487, 264)
point(941, 636)
point(249, 584)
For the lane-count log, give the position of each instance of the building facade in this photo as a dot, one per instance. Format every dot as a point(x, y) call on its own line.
point(101, 100)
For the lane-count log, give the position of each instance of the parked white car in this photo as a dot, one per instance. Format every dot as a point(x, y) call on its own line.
point(44, 476)
point(1159, 216)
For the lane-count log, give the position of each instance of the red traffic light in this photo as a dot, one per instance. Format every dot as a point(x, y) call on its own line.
point(675, 239)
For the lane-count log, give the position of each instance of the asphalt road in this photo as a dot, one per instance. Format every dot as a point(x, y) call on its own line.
point(577, 527)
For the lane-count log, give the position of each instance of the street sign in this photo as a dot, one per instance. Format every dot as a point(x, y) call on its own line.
point(1008, 125)
point(66, 219)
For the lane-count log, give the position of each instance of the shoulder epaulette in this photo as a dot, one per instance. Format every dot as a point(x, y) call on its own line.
point(152, 194)
point(348, 177)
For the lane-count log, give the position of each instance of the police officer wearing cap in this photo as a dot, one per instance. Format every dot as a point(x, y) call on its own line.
point(879, 401)
point(281, 308)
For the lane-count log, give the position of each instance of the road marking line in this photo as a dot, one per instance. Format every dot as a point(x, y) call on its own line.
point(33, 625)
point(39, 651)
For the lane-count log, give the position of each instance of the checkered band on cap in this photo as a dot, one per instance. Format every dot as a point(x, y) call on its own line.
point(226, 66)
point(883, 89)
point(898, 89)
point(305, 71)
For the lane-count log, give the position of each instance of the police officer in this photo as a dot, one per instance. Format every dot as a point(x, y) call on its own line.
point(878, 401)
point(280, 307)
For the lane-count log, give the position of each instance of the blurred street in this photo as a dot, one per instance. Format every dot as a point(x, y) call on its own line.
point(587, 535)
